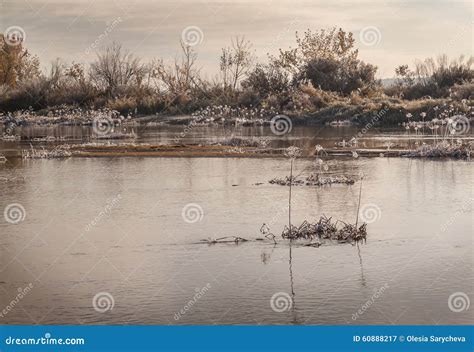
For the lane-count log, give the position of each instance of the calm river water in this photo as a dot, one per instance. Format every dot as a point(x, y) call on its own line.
point(119, 228)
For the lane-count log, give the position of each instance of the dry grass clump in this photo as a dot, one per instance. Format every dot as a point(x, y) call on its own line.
point(244, 142)
point(443, 149)
point(61, 151)
point(63, 114)
point(325, 228)
point(226, 114)
point(312, 180)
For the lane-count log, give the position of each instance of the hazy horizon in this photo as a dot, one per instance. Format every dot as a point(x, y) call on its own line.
point(400, 31)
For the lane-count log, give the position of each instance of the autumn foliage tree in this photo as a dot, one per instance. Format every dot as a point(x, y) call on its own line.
point(16, 63)
point(329, 60)
point(322, 69)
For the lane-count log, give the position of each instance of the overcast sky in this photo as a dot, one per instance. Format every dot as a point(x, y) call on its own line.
point(388, 33)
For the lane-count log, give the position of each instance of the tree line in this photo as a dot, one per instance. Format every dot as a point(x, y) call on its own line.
point(324, 67)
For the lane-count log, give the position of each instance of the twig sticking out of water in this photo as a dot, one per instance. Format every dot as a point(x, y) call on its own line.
point(264, 230)
point(289, 195)
point(292, 153)
point(360, 196)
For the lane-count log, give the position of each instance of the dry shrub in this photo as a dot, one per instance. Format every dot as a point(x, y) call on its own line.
point(273, 101)
point(249, 98)
point(356, 99)
point(122, 104)
point(463, 91)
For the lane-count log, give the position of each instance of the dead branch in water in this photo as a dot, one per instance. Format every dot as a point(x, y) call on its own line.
point(324, 228)
point(227, 239)
point(312, 180)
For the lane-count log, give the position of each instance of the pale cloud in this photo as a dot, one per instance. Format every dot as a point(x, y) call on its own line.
point(409, 29)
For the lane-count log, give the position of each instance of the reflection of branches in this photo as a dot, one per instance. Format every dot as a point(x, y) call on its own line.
point(293, 295)
point(361, 265)
point(266, 256)
point(291, 274)
point(358, 204)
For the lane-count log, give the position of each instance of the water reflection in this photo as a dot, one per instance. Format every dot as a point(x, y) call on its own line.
point(362, 278)
point(292, 285)
point(266, 256)
point(305, 137)
point(145, 240)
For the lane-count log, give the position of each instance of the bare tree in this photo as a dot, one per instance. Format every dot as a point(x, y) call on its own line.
point(443, 72)
point(236, 61)
point(116, 67)
point(178, 78)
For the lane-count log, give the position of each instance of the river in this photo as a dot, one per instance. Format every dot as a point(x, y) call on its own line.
point(129, 229)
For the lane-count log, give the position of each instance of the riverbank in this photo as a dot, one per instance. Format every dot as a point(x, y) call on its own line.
point(380, 111)
point(94, 150)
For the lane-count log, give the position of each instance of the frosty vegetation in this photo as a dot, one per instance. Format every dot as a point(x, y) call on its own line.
point(320, 77)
